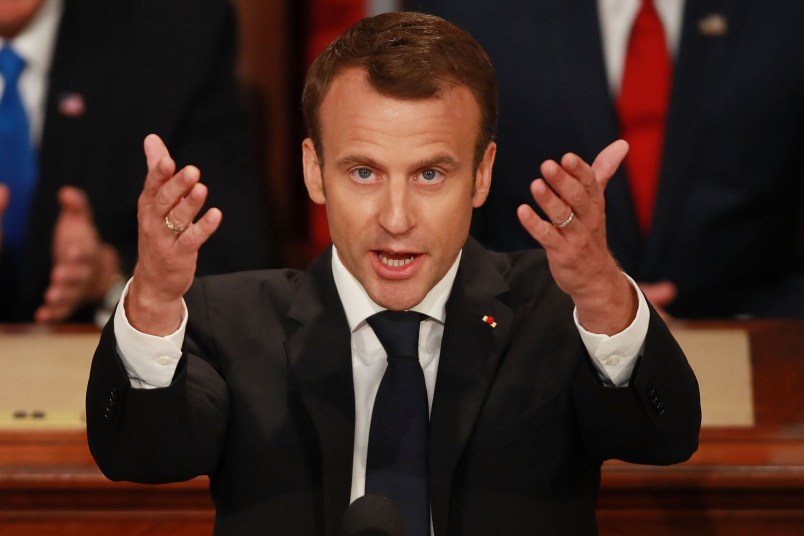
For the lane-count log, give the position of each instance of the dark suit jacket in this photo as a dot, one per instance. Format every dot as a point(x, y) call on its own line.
point(730, 211)
point(142, 66)
point(263, 402)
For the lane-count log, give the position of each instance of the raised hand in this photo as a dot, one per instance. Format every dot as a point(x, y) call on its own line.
point(83, 266)
point(575, 240)
point(168, 240)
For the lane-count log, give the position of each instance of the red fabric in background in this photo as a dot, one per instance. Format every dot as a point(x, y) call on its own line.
point(642, 109)
point(328, 19)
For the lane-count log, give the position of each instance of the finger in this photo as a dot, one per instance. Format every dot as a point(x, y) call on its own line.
point(73, 201)
point(583, 172)
point(155, 150)
point(172, 191)
point(555, 208)
point(53, 312)
point(61, 295)
point(196, 234)
point(609, 159)
point(71, 273)
point(59, 303)
point(569, 184)
point(161, 166)
point(542, 231)
point(660, 294)
point(183, 214)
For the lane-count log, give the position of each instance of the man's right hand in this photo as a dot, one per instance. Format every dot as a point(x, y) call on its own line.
point(167, 257)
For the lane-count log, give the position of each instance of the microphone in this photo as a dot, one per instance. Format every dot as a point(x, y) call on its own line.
point(373, 515)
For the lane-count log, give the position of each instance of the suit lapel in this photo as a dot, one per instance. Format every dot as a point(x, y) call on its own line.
point(78, 80)
point(470, 353)
point(574, 33)
point(319, 354)
point(697, 72)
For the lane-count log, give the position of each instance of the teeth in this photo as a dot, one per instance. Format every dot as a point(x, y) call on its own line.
point(396, 262)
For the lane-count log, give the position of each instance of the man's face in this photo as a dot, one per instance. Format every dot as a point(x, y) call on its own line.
point(15, 14)
point(398, 183)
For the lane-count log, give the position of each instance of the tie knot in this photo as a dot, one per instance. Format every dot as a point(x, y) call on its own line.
point(398, 332)
point(11, 65)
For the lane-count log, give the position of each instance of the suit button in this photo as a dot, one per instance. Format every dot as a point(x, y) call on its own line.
point(651, 391)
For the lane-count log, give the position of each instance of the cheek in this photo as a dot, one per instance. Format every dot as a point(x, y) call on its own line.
point(348, 222)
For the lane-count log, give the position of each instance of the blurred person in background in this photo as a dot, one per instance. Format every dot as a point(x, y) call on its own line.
point(82, 83)
point(707, 212)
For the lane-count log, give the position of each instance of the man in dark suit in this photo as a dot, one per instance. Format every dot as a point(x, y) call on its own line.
point(112, 73)
point(728, 220)
point(267, 380)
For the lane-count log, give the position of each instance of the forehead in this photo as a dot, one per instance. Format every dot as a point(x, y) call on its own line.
point(353, 113)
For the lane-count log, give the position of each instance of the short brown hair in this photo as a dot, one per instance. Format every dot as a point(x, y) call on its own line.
point(407, 56)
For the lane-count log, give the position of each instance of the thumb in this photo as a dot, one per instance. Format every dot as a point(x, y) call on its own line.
point(155, 150)
point(74, 202)
point(660, 294)
point(609, 159)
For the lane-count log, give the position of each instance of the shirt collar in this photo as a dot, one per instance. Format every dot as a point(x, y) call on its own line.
point(359, 306)
point(36, 41)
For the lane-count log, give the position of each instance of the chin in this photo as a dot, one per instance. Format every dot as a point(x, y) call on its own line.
point(397, 299)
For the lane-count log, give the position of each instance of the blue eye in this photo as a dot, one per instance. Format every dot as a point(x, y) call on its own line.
point(363, 173)
point(430, 175)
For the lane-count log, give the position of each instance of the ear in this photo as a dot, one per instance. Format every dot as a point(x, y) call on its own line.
point(312, 173)
point(483, 176)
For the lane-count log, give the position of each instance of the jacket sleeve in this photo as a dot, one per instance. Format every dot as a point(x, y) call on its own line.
point(155, 435)
point(656, 419)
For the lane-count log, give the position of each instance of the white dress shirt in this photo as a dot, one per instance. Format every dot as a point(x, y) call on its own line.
point(151, 361)
point(616, 19)
point(35, 44)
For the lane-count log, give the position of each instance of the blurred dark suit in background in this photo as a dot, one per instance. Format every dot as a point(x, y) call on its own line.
point(727, 223)
point(121, 70)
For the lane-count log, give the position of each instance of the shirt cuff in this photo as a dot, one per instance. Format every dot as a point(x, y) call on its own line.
point(150, 361)
point(615, 356)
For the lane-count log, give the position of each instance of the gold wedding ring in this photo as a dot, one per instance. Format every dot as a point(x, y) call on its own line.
point(567, 221)
point(171, 227)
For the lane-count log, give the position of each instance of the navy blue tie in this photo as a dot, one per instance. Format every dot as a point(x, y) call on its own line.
point(17, 155)
point(396, 466)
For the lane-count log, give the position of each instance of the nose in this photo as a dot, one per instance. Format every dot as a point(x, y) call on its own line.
point(397, 209)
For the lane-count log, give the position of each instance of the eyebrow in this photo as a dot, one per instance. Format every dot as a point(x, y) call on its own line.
point(357, 159)
point(442, 159)
point(437, 160)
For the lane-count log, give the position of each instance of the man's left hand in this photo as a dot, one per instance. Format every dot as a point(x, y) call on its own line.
point(575, 241)
point(83, 266)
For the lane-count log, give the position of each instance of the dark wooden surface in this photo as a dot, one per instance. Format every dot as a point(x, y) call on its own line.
point(742, 481)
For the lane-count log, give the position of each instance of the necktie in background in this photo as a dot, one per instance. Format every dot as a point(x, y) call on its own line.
point(17, 155)
point(396, 465)
point(642, 109)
